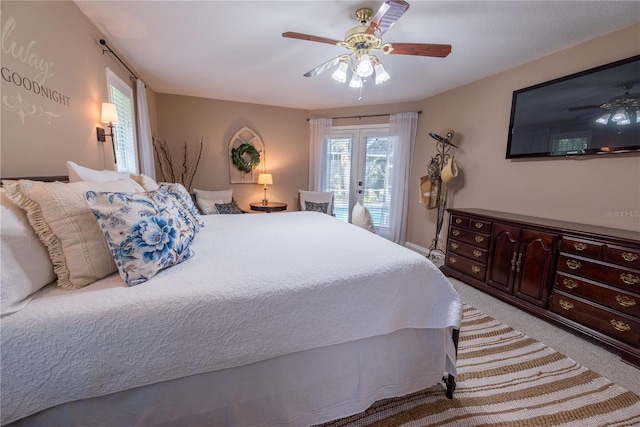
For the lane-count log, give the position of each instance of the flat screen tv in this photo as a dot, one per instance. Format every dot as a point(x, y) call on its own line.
point(596, 111)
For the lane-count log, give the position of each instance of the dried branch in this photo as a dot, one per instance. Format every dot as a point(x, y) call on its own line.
point(165, 162)
point(194, 168)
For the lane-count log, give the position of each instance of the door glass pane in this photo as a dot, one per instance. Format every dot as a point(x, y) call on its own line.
point(338, 174)
point(377, 179)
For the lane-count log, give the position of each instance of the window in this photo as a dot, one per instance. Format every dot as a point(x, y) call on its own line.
point(121, 95)
point(570, 142)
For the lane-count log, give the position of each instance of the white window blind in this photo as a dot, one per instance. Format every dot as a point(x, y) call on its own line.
point(121, 95)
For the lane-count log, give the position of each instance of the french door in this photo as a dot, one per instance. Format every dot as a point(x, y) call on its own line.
point(358, 165)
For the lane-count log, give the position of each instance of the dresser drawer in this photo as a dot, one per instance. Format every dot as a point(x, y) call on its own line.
point(469, 236)
point(581, 247)
point(467, 250)
point(613, 298)
point(481, 226)
point(613, 324)
point(460, 221)
point(625, 257)
point(466, 266)
point(628, 280)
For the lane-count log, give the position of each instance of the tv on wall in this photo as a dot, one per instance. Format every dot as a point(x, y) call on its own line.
point(596, 111)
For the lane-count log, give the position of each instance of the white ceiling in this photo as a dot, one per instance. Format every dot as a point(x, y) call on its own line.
point(233, 50)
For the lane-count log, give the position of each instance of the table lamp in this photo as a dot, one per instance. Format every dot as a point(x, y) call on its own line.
point(265, 179)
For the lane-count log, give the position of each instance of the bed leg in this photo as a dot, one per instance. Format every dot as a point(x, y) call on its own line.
point(450, 383)
point(450, 380)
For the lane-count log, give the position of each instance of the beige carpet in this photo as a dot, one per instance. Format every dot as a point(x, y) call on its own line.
point(506, 379)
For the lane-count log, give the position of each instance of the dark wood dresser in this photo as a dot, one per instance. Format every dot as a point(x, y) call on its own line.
point(584, 277)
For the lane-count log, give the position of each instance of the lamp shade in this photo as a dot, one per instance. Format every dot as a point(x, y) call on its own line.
point(109, 113)
point(265, 178)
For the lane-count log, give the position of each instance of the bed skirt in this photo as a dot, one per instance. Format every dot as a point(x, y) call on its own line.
point(299, 389)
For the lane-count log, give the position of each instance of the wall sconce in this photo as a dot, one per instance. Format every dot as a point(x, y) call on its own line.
point(110, 116)
point(266, 179)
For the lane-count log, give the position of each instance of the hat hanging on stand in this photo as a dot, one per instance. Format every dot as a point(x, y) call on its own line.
point(442, 169)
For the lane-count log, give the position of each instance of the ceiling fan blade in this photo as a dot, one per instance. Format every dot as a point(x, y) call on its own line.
point(583, 107)
point(421, 49)
point(320, 68)
point(386, 16)
point(300, 36)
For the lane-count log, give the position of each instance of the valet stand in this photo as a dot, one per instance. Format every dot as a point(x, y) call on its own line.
point(443, 155)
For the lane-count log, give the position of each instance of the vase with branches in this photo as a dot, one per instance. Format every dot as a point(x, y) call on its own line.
point(186, 171)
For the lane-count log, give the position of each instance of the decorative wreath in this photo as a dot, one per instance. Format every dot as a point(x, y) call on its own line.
point(245, 157)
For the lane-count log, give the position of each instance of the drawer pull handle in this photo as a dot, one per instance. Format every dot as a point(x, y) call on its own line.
point(620, 325)
point(513, 261)
point(479, 239)
point(580, 246)
point(479, 225)
point(458, 220)
point(625, 301)
point(565, 304)
point(454, 246)
point(455, 232)
point(570, 283)
point(629, 256)
point(477, 253)
point(573, 264)
point(629, 279)
point(452, 260)
point(518, 262)
point(475, 269)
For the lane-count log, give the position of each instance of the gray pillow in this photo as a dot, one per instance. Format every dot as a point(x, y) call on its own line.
point(317, 207)
point(228, 208)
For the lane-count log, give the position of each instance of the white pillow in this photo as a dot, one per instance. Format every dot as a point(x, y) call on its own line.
point(79, 173)
point(205, 197)
point(316, 197)
point(208, 207)
point(67, 227)
point(361, 217)
point(25, 266)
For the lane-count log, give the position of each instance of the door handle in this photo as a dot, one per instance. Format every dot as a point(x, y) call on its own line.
point(360, 183)
point(359, 191)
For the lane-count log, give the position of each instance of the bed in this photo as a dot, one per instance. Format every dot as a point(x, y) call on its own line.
point(291, 318)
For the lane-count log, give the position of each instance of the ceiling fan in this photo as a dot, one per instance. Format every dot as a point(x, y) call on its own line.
point(618, 110)
point(366, 39)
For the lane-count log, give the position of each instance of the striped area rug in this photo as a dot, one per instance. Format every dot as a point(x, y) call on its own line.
point(507, 379)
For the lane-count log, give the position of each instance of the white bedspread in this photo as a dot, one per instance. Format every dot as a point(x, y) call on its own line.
point(259, 286)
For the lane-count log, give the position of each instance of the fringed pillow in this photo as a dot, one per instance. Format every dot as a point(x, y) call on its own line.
point(63, 222)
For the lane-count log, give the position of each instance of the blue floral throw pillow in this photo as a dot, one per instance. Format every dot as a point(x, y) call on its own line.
point(145, 232)
point(316, 207)
point(181, 194)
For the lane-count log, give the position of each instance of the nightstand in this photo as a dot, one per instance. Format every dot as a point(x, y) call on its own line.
point(269, 207)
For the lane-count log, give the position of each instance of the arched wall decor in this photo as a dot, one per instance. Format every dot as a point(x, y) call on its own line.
point(246, 157)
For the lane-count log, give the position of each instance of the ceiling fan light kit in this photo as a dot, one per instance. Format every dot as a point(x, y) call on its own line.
point(365, 39)
point(620, 110)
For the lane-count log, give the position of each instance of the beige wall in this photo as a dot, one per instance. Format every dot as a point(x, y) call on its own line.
point(284, 132)
point(37, 140)
point(55, 45)
point(599, 190)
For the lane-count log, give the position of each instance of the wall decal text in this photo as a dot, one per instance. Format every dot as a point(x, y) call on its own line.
point(25, 53)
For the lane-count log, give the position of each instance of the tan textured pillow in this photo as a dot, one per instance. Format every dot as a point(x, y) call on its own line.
point(64, 223)
point(148, 183)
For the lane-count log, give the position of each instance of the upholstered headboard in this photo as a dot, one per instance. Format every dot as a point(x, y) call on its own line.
point(61, 178)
